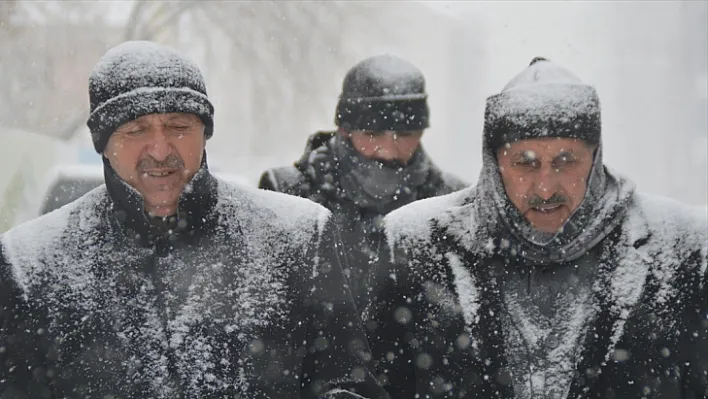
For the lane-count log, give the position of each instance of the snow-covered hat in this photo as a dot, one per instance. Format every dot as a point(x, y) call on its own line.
point(383, 92)
point(138, 78)
point(545, 100)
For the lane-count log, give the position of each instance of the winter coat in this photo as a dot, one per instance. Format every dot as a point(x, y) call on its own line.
point(242, 297)
point(436, 320)
point(315, 176)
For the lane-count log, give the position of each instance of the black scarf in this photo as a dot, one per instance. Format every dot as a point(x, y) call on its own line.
point(373, 184)
point(338, 171)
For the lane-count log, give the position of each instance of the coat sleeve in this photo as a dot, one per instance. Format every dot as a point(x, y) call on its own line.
point(288, 180)
point(694, 338)
point(267, 181)
point(388, 318)
point(23, 349)
point(336, 364)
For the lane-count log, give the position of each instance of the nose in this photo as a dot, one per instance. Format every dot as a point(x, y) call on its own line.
point(159, 146)
point(386, 146)
point(546, 182)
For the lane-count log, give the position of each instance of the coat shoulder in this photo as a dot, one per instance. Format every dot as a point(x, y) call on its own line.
point(674, 219)
point(273, 211)
point(29, 244)
point(678, 233)
point(415, 221)
point(45, 231)
point(284, 179)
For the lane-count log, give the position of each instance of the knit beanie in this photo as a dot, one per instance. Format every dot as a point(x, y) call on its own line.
point(544, 100)
point(138, 78)
point(383, 92)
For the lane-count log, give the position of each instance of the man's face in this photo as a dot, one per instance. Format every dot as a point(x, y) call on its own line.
point(386, 145)
point(546, 178)
point(158, 154)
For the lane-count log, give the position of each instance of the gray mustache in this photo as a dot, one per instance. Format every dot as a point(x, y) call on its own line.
point(556, 199)
point(171, 162)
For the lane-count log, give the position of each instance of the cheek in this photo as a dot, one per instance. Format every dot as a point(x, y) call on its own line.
point(123, 158)
point(190, 149)
point(516, 186)
point(576, 187)
point(408, 144)
point(365, 145)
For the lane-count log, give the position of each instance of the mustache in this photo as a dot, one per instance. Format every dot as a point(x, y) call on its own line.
point(171, 162)
point(556, 199)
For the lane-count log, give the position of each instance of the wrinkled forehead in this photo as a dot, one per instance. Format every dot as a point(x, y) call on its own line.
point(547, 146)
point(161, 118)
point(394, 133)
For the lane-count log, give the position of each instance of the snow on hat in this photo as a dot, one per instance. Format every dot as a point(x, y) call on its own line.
point(545, 100)
point(383, 92)
point(138, 78)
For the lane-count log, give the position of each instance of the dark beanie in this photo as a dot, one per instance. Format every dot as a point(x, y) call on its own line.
point(545, 100)
point(138, 78)
point(382, 93)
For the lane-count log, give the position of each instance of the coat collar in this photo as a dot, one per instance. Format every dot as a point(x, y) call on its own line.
point(195, 203)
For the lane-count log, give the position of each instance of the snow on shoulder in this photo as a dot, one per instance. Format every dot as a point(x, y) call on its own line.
point(414, 220)
point(680, 227)
point(39, 238)
point(676, 216)
point(268, 214)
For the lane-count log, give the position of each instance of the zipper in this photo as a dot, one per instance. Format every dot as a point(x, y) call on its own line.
point(160, 250)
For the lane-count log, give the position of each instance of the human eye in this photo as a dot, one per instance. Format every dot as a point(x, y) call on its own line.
point(132, 131)
point(565, 160)
point(525, 163)
point(179, 126)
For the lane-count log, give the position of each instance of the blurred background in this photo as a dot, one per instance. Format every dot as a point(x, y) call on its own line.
point(274, 71)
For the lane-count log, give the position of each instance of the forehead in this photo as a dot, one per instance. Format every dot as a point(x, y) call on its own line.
point(380, 133)
point(546, 146)
point(157, 118)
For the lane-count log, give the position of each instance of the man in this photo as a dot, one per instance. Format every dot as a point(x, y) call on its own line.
point(168, 283)
point(374, 163)
point(551, 278)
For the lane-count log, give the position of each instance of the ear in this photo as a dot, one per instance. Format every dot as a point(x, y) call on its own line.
point(106, 149)
point(343, 132)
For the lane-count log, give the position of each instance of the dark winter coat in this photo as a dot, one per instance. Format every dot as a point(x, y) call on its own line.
point(436, 320)
point(242, 297)
point(315, 176)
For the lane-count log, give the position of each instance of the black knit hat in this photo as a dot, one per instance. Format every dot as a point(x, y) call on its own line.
point(544, 100)
point(381, 93)
point(138, 78)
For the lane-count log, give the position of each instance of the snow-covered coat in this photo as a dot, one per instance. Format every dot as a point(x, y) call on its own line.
point(243, 298)
point(435, 321)
point(316, 177)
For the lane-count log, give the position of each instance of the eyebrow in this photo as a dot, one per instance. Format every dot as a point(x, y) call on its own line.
point(130, 125)
point(526, 155)
point(566, 154)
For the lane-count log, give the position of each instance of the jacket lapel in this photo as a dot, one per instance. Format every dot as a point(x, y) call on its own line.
point(625, 265)
point(476, 283)
point(620, 283)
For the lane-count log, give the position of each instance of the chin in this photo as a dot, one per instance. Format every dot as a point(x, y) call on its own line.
point(546, 226)
point(163, 206)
